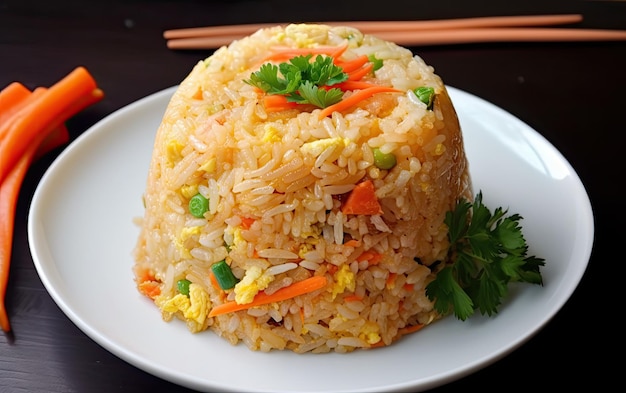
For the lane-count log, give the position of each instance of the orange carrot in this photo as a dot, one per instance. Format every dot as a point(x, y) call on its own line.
point(246, 222)
point(214, 282)
point(349, 66)
point(352, 298)
point(355, 98)
point(352, 243)
point(362, 200)
point(9, 190)
point(9, 113)
point(286, 53)
point(32, 125)
point(150, 289)
point(10, 99)
point(353, 85)
point(299, 288)
point(46, 110)
point(56, 138)
point(372, 257)
point(276, 103)
point(361, 72)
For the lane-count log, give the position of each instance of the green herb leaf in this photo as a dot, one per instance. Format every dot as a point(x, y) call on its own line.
point(311, 94)
point(488, 251)
point(300, 80)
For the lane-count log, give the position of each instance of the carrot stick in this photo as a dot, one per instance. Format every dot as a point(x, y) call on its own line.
point(355, 98)
point(56, 138)
point(41, 113)
point(362, 200)
point(35, 126)
point(8, 113)
point(9, 191)
point(10, 98)
point(299, 288)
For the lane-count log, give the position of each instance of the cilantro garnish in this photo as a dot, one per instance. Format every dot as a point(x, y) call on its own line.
point(488, 252)
point(302, 80)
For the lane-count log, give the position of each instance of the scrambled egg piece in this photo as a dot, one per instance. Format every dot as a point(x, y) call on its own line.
point(344, 279)
point(195, 307)
point(252, 282)
point(174, 149)
point(185, 234)
point(271, 134)
point(370, 333)
point(316, 148)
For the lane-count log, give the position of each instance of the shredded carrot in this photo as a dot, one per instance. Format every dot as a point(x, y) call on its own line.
point(351, 65)
point(362, 200)
point(352, 298)
point(355, 98)
point(391, 280)
point(299, 288)
point(408, 287)
point(352, 243)
point(50, 108)
point(354, 85)
point(286, 53)
point(372, 257)
point(246, 222)
point(214, 282)
point(361, 72)
point(277, 102)
point(150, 289)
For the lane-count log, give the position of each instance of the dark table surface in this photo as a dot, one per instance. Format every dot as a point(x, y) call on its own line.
point(571, 93)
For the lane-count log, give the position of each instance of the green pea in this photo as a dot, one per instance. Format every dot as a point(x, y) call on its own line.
point(198, 205)
point(384, 160)
point(183, 286)
point(426, 95)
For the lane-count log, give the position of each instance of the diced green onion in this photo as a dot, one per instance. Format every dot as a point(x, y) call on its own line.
point(183, 286)
point(384, 160)
point(426, 95)
point(376, 61)
point(198, 205)
point(224, 276)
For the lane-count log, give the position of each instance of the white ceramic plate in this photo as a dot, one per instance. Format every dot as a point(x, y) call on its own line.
point(81, 236)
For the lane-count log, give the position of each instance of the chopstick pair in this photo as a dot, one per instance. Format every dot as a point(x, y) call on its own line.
point(426, 32)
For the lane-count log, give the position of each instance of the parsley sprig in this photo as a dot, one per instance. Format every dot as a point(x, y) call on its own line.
point(488, 252)
point(301, 80)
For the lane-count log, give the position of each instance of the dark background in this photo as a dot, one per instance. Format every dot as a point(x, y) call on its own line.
point(571, 93)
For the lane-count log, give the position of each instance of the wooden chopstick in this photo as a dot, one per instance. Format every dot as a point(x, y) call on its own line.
point(377, 26)
point(445, 37)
